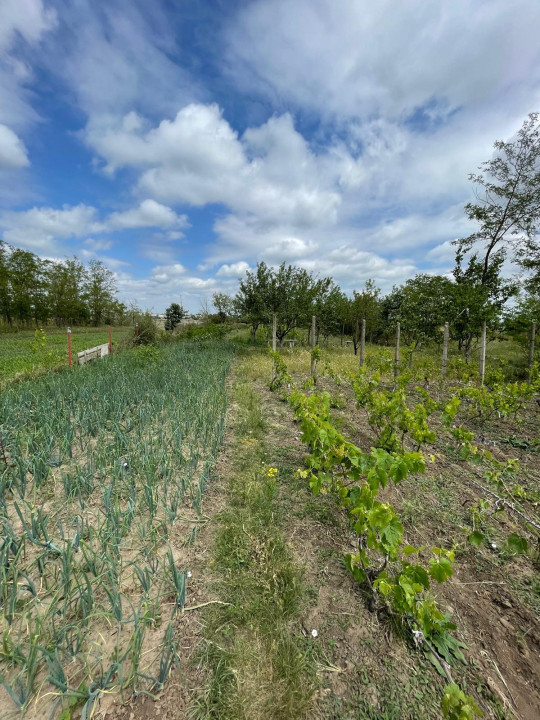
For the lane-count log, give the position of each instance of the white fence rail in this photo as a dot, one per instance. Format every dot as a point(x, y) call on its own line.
point(94, 353)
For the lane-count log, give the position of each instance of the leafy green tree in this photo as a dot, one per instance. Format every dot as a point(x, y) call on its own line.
point(478, 297)
point(99, 293)
point(65, 292)
point(251, 298)
point(173, 316)
point(426, 302)
point(365, 304)
point(293, 296)
point(5, 290)
point(224, 304)
point(507, 207)
point(327, 308)
point(27, 282)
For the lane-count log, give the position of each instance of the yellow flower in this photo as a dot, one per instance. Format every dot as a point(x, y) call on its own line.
point(272, 472)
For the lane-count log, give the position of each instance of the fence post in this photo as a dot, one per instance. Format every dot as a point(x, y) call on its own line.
point(445, 349)
point(483, 354)
point(363, 342)
point(313, 343)
point(531, 349)
point(396, 354)
point(69, 345)
point(110, 340)
point(274, 332)
point(136, 333)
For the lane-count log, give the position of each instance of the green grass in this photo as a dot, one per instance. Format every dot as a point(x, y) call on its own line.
point(259, 668)
point(18, 358)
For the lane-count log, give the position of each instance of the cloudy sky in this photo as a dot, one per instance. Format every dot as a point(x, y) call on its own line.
point(181, 141)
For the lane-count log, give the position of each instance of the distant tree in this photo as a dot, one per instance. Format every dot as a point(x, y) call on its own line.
point(99, 292)
point(367, 305)
point(518, 319)
point(293, 294)
point(27, 284)
point(5, 290)
point(478, 298)
point(250, 302)
point(224, 305)
point(422, 305)
point(507, 207)
point(327, 308)
point(173, 316)
point(65, 292)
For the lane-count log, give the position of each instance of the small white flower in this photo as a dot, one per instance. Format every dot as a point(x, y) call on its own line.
point(189, 573)
point(314, 633)
point(494, 546)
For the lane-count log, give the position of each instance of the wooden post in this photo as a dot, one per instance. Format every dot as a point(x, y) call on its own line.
point(396, 354)
point(69, 346)
point(363, 342)
point(110, 340)
point(313, 343)
point(483, 354)
point(274, 332)
point(445, 349)
point(531, 349)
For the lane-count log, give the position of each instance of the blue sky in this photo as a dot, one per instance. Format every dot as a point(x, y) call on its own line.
point(183, 141)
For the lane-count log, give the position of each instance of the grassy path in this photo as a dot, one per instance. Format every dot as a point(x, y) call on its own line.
point(259, 663)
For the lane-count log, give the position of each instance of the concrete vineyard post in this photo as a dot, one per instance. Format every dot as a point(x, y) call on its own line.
point(110, 340)
point(69, 346)
point(396, 354)
point(274, 332)
point(363, 342)
point(313, 338)
point(531, 349)
point(483, 354)
point(445, 350)
point(136, 333)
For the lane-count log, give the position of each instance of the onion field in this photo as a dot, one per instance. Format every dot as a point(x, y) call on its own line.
point(102, 475)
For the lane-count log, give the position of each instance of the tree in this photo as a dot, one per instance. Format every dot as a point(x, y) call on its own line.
point(478, 298)
point(5, 290)
point(364, 305)
point(250, 300)
point(327, 308)
point(224, 304)
point(27, 284)
point(65, 292)
point(173, 316)
point(99, 292)
point(507, 207)
point(426, 302)
point(293, 295)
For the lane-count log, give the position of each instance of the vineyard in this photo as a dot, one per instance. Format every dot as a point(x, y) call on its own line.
point(392, 572)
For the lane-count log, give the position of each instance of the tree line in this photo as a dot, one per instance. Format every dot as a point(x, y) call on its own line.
point(35, 291)
point(507, 218)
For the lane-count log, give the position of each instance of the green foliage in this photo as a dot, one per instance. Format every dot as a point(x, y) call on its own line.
point(422, 306)
point(337, 466)
point(290, 292)
point(389, 413)
point(132, 441)
point(173, 316)
point(507, 210)
point(35, 291)
point(456, 705)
